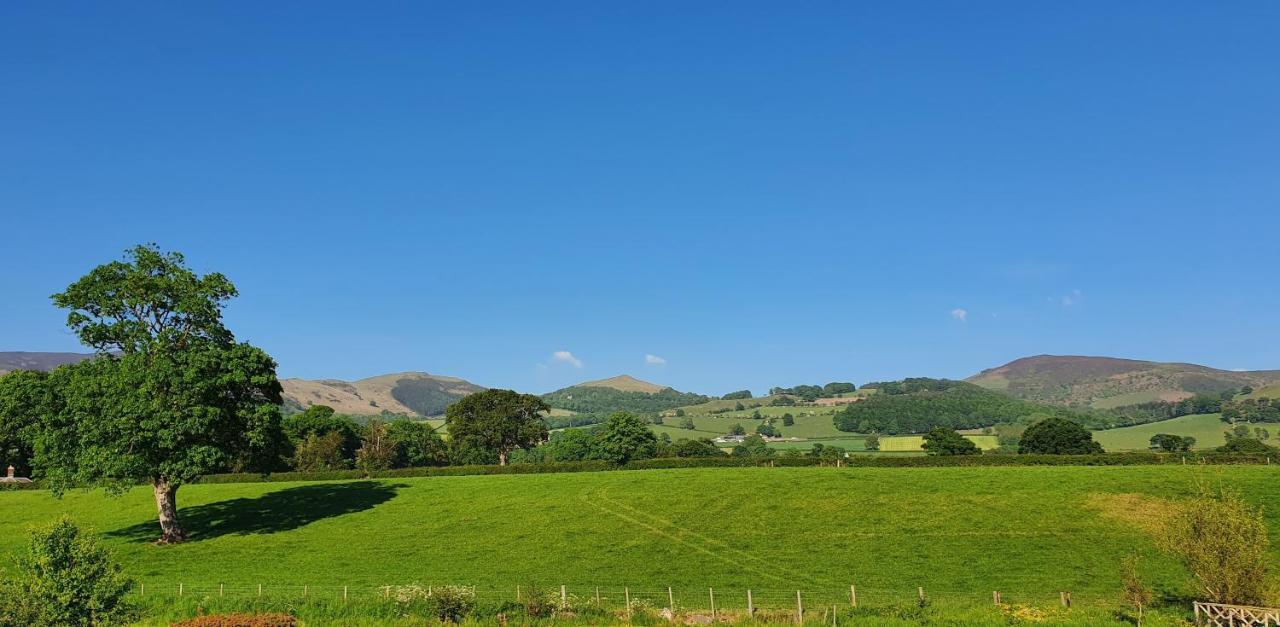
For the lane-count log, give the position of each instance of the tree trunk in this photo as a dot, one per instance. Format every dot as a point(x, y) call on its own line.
point(171, 531)
point(502, 458)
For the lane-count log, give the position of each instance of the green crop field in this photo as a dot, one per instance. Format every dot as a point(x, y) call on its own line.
point(1207, 429)
point(958, 532)
point(901, 443)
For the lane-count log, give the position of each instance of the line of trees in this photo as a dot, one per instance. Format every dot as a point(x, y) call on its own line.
point(811, 393)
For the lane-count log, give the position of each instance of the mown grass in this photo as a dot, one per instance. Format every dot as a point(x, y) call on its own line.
point(958, 532)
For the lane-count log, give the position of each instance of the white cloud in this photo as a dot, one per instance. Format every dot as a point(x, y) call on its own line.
point(566, 357)
point(654, 360)
point(1073, 298)
point(960, 314)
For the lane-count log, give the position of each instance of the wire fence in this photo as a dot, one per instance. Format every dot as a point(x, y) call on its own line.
point(729, 600)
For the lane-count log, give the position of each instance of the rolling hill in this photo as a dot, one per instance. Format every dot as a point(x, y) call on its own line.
point(1106, 382)
point(19, 360)
point(620, 393)
point(404, 393)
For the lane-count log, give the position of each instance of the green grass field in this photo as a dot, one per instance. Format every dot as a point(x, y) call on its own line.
point(909, 443)
point(1207, 429)
point(958, 532)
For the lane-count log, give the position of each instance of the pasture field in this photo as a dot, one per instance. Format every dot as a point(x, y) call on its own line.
point(908, 443)
point(811, 422)
point(852, 443)
point(1033, 530)
point(1207, 429)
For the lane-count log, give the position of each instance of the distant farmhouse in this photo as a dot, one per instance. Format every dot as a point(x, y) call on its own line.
point(9, 478)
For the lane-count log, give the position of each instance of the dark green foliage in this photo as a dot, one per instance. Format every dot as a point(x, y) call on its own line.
point(782, 401)
point(837, 387)
point(576, 420)
point(427, 397)
point(739, 407)
point(687, 423)
point(679, 413)
point(377, 450)
point(753, 446)
point(804, 392)
point(701, 447)
point(872, 442)
point(25, 396)
point(788, 420)
point(603, 400)
point(737, 429)
point(321, 420)
point(319, 452)
point(1247, 446)
point(1172, 443)
point(417, 444)
point(1164, 410)
point(1056, 436)
point(492, 423)
point(624, 437)
point(917, 405)
point(1252, 410)
point(733, 396)
point(941, 441)
point(767, 430)
point(65, 579)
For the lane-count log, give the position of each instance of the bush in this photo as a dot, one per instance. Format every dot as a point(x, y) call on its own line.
point(942, 441)
point(65, 578)
point(240, 620)
point(1248, 446)
point(453, 603)
point(1222, 540)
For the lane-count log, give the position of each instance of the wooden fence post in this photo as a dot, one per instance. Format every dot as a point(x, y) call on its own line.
point(712, 592)
point(305, 590)
point(344, 593)
point(799, 609)
point(671, 601)
point(995, 597)
point(751, 607)
point(517, 592)
point(564, 597)
point(1068, 599)
point(259, 590)
point(920, 592)
point(143, 591)
point(627, 593)
point(179, 589)
point(220, 589)
point(853, 596)
point(597, 596)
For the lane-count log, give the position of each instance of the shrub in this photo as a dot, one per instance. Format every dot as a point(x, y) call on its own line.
point(1248, 446)
point(453, 603)
point(240, 620)
point(1222, 540)
point(65, 578)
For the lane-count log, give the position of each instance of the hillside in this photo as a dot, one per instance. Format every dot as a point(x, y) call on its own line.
point(624, 383)
point(620, 393)
point(19, 360)
point(917, 405)
point(405, 393)
point(1106, 382)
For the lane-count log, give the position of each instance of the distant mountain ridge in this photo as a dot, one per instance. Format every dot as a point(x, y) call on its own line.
point(23, 360)
point(1106, 382)
point(625, 383)
point(402, 393)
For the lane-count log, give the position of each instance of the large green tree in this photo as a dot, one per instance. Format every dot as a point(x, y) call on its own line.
point(943, 441)
point(25, 396)
point(625, 437)
point(495, 422)
point(170, 397)
point(1055, 436)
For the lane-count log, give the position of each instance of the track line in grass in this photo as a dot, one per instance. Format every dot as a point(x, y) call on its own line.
point(586, 497)
point(717, 545)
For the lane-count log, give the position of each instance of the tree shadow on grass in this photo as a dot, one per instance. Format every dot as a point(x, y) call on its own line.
point(281, 510)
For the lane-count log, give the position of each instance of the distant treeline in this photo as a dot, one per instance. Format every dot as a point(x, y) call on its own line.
point(1252, 410)
point(602, 400)
point(814, 392)
point(920, 404)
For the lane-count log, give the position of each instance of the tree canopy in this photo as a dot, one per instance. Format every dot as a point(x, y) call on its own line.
point(941, 441)
point(1055, 436)
point(494, 423)
point(171, 395)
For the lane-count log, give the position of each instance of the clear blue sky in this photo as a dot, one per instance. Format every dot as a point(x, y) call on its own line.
point(757, 193)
